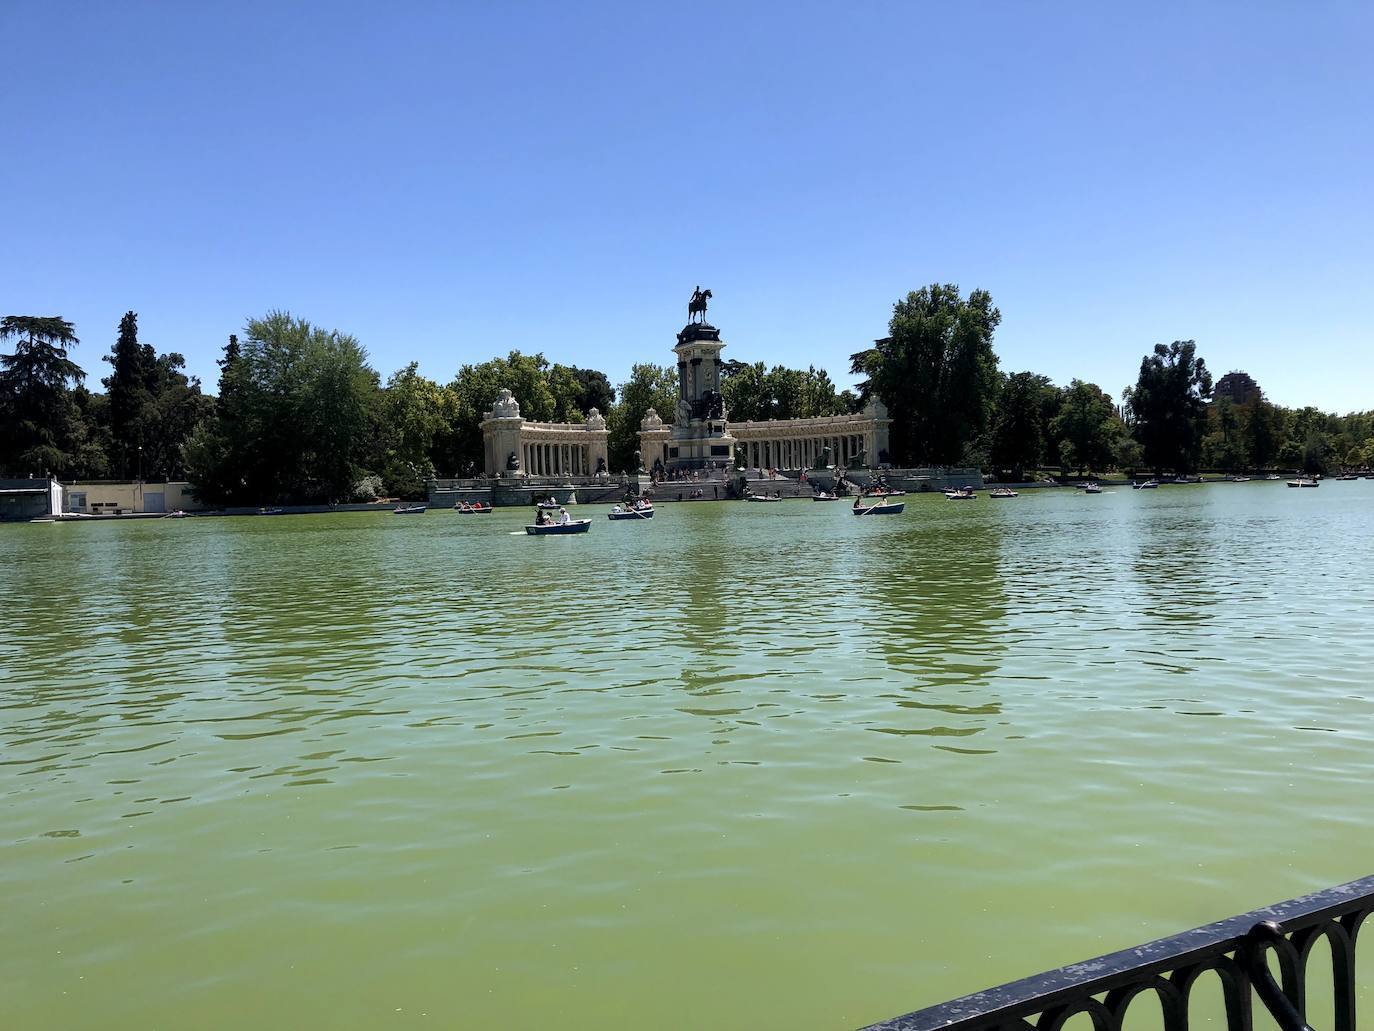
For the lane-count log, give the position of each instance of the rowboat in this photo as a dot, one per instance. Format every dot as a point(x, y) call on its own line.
point(1092, 488)
point(961, 494)
point(631, 513)
point(409, 510)
point(762, 497)
point(823, 496)
point(1302, 481)
point(271, 511)
point(1147, 485)
point(463, 508)
point(548, 506)
point(1002, 492)
point(883, 492)
point(881, 508)
point(575, 526)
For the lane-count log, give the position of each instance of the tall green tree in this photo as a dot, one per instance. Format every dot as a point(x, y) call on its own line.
point(294, 420)
point(936, 373)
point(476, 388)
point(649, 386)
point(597, 391)
point(1168, 406)
point(412, 416)
point(1307, 444)
point(40, 423)
point(178, 405)
point(567, 394)
point(753, 392)
point(129, 387)
point(153, 406)
point(1084, 427)
point(746, 391)
point(1259, 431)
point(1224, 446)
point(1019, 425)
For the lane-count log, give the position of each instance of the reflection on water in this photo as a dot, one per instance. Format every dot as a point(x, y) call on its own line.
point(426, 770)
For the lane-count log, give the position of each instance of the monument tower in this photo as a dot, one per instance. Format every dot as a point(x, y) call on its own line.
point(699, 437)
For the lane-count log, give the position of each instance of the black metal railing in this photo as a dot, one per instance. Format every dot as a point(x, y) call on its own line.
point(1237, 949)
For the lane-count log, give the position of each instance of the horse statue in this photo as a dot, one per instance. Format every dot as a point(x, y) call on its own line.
point(697, 305)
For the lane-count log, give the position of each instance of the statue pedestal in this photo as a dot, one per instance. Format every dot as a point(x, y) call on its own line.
point(699, 438)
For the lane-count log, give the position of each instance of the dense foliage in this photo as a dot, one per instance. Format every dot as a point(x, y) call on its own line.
point(649, 386)
point(1168, 406)
point(295, 419)
point(152, 406)
point(301, 416)
point(757, 393)
point(937, 374)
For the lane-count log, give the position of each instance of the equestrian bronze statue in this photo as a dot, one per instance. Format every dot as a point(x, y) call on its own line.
point(697, 305)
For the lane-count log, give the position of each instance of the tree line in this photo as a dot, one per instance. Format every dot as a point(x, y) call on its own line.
point(301, 415)
point(950, 403)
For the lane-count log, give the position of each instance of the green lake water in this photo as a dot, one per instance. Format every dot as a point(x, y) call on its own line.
point(745, 766)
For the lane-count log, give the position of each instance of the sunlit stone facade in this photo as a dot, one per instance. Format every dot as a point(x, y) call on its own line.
point(516, 447)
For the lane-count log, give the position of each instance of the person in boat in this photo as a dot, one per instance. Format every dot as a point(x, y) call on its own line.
point(542, 518)
point(858, 502)
point(563, 518)
point(616, 510)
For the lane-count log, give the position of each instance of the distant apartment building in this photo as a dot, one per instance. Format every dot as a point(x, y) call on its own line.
point(1236, 387)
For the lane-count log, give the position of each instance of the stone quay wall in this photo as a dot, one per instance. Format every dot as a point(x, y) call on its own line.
point(515, 492)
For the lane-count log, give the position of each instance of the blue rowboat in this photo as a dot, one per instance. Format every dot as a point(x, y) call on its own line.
point(634, 513)
point(576, 526)
point(409, 510)
point(881, 509)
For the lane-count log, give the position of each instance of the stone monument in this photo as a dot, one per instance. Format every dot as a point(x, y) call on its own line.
point(501, 436)
point(699, 438)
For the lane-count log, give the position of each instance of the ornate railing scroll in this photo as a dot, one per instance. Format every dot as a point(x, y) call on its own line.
point(1236, 949)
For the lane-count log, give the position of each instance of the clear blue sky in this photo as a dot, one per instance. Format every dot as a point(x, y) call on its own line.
point(449, 181)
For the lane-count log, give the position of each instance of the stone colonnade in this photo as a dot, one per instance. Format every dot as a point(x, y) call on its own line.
point(554, 456)
point(514, 446)
point(782, 452)
point(801, 443)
